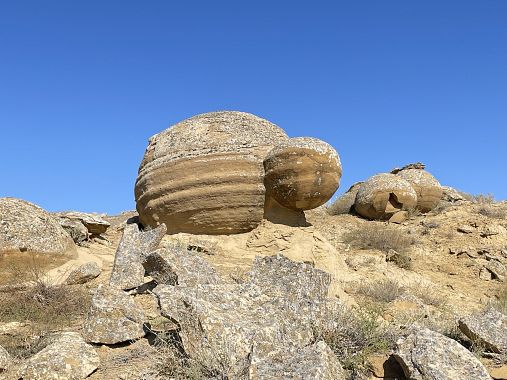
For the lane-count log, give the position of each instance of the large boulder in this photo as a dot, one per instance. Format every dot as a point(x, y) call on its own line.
point(93, 222)
point(428, 189)
point(302, 173)
point(488, 328)
point(383, 195)
point(68, 356)
point(204, 175)
point(344, 204)
point(27, 227)
point(83, 273)
point(427, 355)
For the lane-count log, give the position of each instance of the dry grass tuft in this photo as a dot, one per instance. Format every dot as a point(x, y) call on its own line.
point(383, 237)
point(483, 199)
point(493, 212)
point(386, 290)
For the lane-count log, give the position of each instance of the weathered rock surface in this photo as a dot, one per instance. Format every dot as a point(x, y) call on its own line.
point(427, 355)
point(205, 174)
point(114, 317)
point(93, 223)
point(176, 266)
point(316, 362)
point(67, 357)
point(428, 189)
point(5, 359)
point(277, 304)
point(77, 230)
point(345, 203)
point(451, 195)
point(497, 269)
point(489, 328)
point(27, 227)
point(382, 195)
point(84, 273)
point(302, 173)
point(128, 271)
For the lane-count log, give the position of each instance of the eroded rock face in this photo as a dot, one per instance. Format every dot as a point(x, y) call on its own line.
point(383, 195)
point(204, 175)
point(27, 227)
point(77, 231)
point(5, 359)
point(84, 273)
point(302, 173)
point(489, 328)
point(428, 189)
point(67, 357)
point(114, 317)
point(93, 223)
point(135, 244)
point(427, 355)
point(345, 203)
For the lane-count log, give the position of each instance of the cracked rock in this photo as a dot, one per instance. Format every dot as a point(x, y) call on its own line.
point(489, 328)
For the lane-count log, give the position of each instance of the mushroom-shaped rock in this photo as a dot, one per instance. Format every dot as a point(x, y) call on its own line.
point(27, 227)
point(302, 173)
point(428, 189)
point(382, 195)
point(204, 175)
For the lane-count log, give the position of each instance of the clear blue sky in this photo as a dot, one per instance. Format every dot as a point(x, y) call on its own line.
point(83, 84)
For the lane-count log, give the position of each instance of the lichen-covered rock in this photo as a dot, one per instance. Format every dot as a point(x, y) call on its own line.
point(128, 271)
point(382, 195)
point(204, 175)
point(5, 359)
point(489, 328)
point(428, 189)
point(114, 317)
point(175, 266)
point(302, 173)
point(67, 357)
point(27, 227)
point(316, 362)
point(427, 355)
point(83, 273)
point(93, 222)
point(77, 230)
point(344, 204)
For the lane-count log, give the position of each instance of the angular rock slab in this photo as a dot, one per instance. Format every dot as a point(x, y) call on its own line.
point(114, 317)
point(489, 328)
point(93, 223)
point(175, 266)
point(128, 271)
point(77, 230)
point(67, 357)
point(427, 355)
point(5, 359)
point(316, 362)
point(84, 273)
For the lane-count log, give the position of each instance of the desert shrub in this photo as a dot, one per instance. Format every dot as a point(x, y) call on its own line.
point(441, 207)
point(379, 236)
point(427, 294)
point(483, 199)
point(386, 290)
point(402, 260)
point(501, 302)
point(493, 212)
point(353, 335)
point(413, 212)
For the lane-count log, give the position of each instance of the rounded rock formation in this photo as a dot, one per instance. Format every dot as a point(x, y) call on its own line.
point(204, 175)
point(383, 195)
point(428, 189)
point(25, 227)
point(302, 173)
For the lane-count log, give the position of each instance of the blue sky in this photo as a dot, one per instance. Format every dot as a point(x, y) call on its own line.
point(83, 84)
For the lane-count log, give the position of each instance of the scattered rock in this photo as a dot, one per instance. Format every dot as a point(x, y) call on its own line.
point(77, 230)
point(174, 266)
point(84, 273)
point(27, 227)
point(128, 271)
point(425, 354)
point(204, 175)
point(497, 269)
point(489, 328)
point(114, 317)
point(399, 217)
point(302, 173)
point(499, 373)
point(93, 223)
point(490, 230)
point(5, 359)
point(345, 203)
point(466, 229)
point(485, 274)
point(383, 195)
point(67, 357)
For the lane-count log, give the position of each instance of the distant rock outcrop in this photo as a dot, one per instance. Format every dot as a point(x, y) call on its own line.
point(205, 175)
point(93, 223)
point(302, 173)
point(345, 203)
point(25, 227)
point(383, 195)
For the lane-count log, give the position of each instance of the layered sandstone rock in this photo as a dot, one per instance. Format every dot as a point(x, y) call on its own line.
point(345, 203)
point(205, 174)
point(302, 173)
point(428, 189)
point(383, 195)
point(25, 227)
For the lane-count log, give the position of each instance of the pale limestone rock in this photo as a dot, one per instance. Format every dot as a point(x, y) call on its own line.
point(84, 273)
point(488, 327)
point(68, 356)
point(114, 317)
point(128, 271)
point(93, 222)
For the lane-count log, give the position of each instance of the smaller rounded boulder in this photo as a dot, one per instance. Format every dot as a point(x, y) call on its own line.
point(302, 173)
point(383, 195)
point(428, 189)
